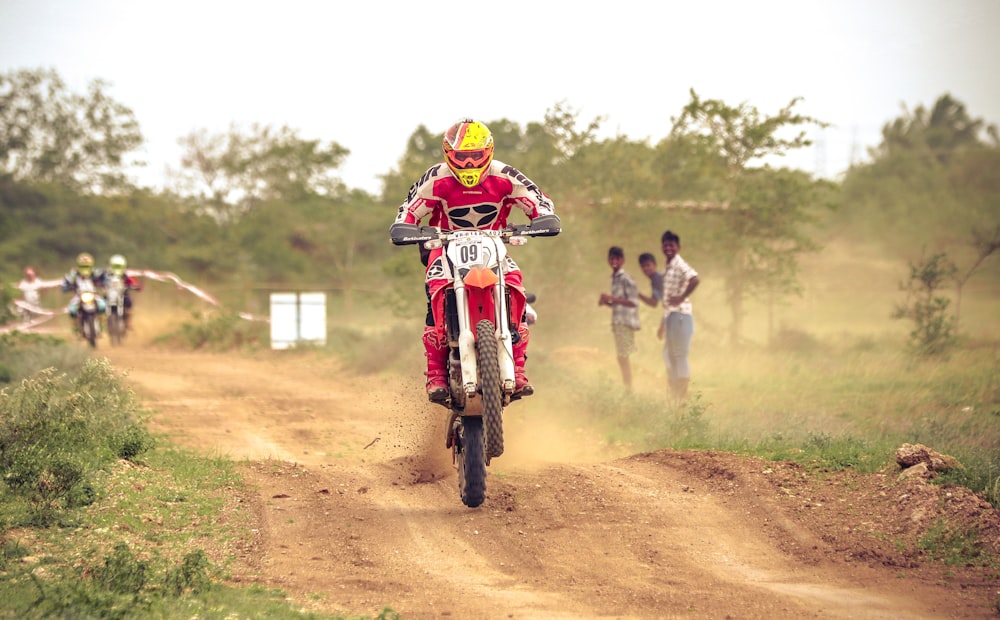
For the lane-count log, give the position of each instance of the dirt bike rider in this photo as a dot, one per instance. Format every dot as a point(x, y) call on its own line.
point(72, 280)
point(118, 269)
point(470, 190)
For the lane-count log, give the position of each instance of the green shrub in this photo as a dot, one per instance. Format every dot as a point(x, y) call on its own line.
point(7, 296)
point(130, 442)
point(122, 572)
point(371, 353)
point(225, 330)
point(22, 355)
point(190, 576)
point(954, 547)
point(56, 433)
point(933, 326)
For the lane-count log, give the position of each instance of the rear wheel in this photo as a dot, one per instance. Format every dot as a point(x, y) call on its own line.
point(488, 365)
point(471, 461)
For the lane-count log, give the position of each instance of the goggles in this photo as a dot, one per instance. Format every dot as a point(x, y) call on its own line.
point(469, 159)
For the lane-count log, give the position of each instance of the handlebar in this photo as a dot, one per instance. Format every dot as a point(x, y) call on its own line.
point(409, 234)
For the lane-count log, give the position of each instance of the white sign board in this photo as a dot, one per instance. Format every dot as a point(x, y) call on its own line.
point(298, 318)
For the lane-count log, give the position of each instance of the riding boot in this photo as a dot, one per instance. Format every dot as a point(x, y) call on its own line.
point(522, 387)
point(436, 351)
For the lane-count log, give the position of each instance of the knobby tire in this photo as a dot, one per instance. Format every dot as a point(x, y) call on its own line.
point(488, 364)
point(471, 462)
point(90, 330)
point(116, 327)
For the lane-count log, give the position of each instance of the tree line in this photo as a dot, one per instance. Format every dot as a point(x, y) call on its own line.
point(263, 204)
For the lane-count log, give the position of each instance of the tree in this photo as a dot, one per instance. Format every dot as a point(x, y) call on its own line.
point(760, 234)
point(232, 172)
point(938, 132)
point(932, 183)
point(423, 150)
point(48, 134)
point(933, 329)
point(985, 243)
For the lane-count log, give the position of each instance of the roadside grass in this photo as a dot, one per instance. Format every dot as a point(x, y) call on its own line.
point(849, 405)
point(954, 548)
point(218, 330)
point(161, 541)
point(98, 519)
point(21, 354)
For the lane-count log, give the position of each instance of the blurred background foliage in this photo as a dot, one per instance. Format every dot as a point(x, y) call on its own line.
point(262, 208)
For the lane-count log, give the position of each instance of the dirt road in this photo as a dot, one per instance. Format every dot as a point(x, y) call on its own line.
point(357, 508)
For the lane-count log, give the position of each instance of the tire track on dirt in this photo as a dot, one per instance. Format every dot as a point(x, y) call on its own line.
point(358, 508)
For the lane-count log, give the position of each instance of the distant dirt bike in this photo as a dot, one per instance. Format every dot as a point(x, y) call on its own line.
point(480, 340)
point(115, 297)
point(88, 314)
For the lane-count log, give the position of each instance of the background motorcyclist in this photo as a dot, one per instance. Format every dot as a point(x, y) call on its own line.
point(118, 270)
point(83, 271)
point(470, 190)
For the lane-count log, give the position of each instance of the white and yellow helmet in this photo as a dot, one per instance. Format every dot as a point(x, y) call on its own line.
point(85, 264)
point(468, 150)
point(117, 265)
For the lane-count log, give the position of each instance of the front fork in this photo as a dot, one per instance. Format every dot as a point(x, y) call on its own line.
point(467, 337)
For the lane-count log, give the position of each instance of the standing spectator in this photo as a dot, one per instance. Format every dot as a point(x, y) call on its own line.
point(647, 262)
point(31, 300)
point(29, 287)
point(624, 302)
point(679, 281)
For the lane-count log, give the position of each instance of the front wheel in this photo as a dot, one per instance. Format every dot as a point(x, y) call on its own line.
point(89, 327)
point(471, 461)
point(488, 365)
point(116, 327)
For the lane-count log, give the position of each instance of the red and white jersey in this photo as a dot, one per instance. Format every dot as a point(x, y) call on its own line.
point(487, 206)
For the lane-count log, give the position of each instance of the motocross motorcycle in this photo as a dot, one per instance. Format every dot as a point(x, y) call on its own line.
point(88, 312)
point(115, 298)
point(480, 339)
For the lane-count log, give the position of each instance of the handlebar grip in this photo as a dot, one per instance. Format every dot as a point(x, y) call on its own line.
point(544, 226)
point(409, 234)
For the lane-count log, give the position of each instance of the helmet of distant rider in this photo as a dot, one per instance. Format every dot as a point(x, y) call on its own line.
point(117, 264)
point(85, 264)
point(468, 150)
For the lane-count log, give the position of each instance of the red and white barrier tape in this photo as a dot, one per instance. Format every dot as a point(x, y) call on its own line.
point(41, 315)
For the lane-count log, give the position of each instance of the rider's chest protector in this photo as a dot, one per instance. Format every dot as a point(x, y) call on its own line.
point(480, 207)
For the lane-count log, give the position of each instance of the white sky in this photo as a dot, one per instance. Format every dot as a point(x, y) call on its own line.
point(366, 74)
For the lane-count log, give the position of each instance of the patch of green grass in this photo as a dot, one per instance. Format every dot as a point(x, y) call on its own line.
point(59, 432)
point(219, 331)
point(849, 406)
point(97, 520)
point(369, 351)
point(156, 544)
point(954, 547)
point(22, 355)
